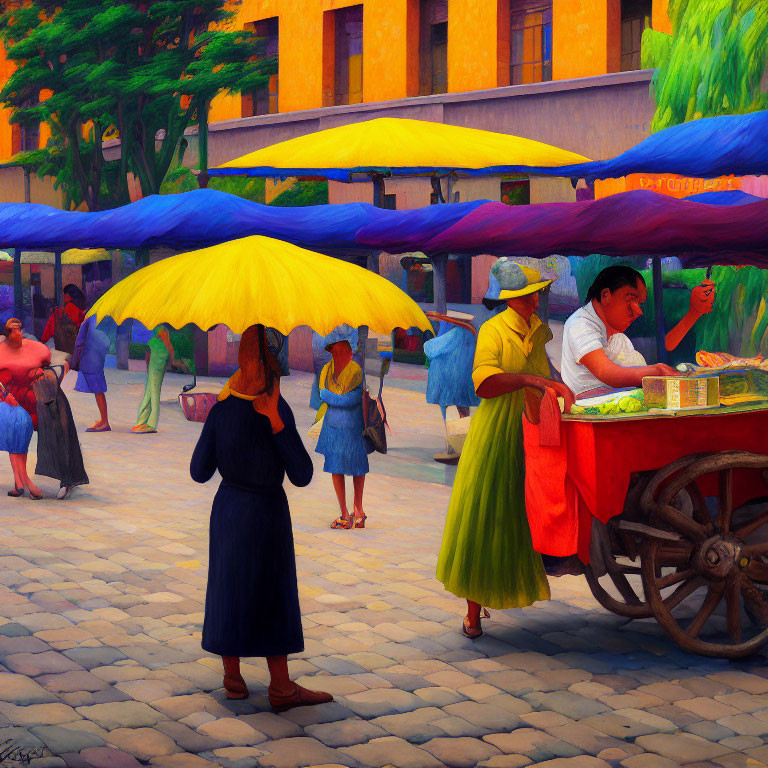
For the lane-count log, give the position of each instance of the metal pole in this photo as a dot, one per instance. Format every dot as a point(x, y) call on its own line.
point(18, 290)
point(378, 189)
point(27, 190)
point(658, 303)
point(439, 269)
point(57, 278)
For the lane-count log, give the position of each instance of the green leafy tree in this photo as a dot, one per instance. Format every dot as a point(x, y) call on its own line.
point(143, 71)
point(713, 63)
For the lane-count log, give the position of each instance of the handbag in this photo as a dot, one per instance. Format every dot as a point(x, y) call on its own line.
point(374, 418)
point(64, 331)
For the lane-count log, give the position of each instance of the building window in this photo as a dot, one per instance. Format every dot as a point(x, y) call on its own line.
point(517, 192)
point(635, 17)
point(348, 48)
point(433, 47)
point(530, 59)
point(263, 101)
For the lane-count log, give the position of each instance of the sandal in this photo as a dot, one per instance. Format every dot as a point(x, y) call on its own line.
point(471, 632)
point(35, 498)
point(235, 688)
point(301, 697)
point(345, 523)
point(16, 492)
point(360, 521)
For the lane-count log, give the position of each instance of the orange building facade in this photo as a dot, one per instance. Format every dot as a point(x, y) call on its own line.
point(337, 52)
point(383, 50)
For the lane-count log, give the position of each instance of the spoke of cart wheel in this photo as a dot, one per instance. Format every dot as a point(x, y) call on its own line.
point(629, 569)
point(752, 525)
point(711, 601)
point(725, 500)
point(668, 557)
point(757, 571)
point(700, 511)
point(682, 592)
point(733, 609)
point(674, 578)
point(682, 523)
point(757, 602)
point(755, 550)
point(624, 587)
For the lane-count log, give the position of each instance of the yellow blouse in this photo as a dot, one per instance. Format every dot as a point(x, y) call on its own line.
point(504, 344)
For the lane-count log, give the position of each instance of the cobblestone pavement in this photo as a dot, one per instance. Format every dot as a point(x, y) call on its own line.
point(101, 600)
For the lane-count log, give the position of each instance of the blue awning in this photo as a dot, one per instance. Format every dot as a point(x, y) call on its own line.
point(196, 219)
point(700, 149)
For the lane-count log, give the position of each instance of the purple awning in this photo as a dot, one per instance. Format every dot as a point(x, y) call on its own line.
point(630, 223)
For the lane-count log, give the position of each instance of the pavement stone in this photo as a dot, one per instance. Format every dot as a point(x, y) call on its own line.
point(346, 733)
point(681, 747)
point(417, 727)
point(538, 745)
point(108, 757)
point(390, 750)
point(303, 751)
point(142, 743)
point(460, 752)
point(112, 715)
point(19, 689)
point(58, 739)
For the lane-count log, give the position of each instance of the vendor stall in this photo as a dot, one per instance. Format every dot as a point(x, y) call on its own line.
point(668, 511)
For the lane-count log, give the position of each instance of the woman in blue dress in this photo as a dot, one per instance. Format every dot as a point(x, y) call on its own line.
point(91, 348)
point(341, 437)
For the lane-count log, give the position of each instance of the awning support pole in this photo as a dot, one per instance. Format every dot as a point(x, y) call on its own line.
point(378, 189)
point(18, 289)
point(439, 269)
point(658, 304)
point(57, 278)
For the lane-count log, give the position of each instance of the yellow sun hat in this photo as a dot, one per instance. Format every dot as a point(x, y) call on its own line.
point(517, 280)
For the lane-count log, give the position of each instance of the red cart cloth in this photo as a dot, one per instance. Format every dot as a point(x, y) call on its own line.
point(588, 474)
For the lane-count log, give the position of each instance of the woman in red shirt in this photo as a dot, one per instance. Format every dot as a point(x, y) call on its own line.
point(74, 305)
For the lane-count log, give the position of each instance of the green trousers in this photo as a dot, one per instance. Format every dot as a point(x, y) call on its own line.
point(149, 410)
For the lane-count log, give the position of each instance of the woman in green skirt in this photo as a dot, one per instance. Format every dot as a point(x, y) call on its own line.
point(486, 554)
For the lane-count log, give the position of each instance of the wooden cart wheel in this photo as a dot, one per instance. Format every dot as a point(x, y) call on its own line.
point(614, 573)
point(713, 605)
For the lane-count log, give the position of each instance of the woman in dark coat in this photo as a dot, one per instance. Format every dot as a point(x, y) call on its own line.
point(58, 448)
point(252, 601)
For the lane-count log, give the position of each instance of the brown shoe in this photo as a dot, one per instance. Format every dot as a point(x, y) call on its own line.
point(301, 697)
point(236, 688)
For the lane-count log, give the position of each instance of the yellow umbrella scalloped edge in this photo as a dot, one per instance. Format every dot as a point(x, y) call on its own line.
point(259, 280)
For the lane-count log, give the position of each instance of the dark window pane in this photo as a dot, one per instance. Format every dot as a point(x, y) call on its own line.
point(635, 16)
point(530, 41)
point(263, 100)
point(348, 81)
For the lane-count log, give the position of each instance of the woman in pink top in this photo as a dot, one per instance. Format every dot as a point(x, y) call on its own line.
point(21, 362)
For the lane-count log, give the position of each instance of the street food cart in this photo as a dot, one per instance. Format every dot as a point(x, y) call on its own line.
point(668, 513)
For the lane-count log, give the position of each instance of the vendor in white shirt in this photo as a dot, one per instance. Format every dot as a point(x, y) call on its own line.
point(597, 356)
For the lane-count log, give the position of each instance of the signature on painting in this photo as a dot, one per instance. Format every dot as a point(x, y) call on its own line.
point(11, 754)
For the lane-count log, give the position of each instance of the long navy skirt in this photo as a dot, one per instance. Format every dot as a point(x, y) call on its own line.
point(252, 601)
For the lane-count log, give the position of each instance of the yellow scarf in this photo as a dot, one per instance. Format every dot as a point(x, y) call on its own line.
point(350, 378)
point(227, 391)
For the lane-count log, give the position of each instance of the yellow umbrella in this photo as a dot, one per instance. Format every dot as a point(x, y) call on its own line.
point(399, 146)
point(259, 280)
